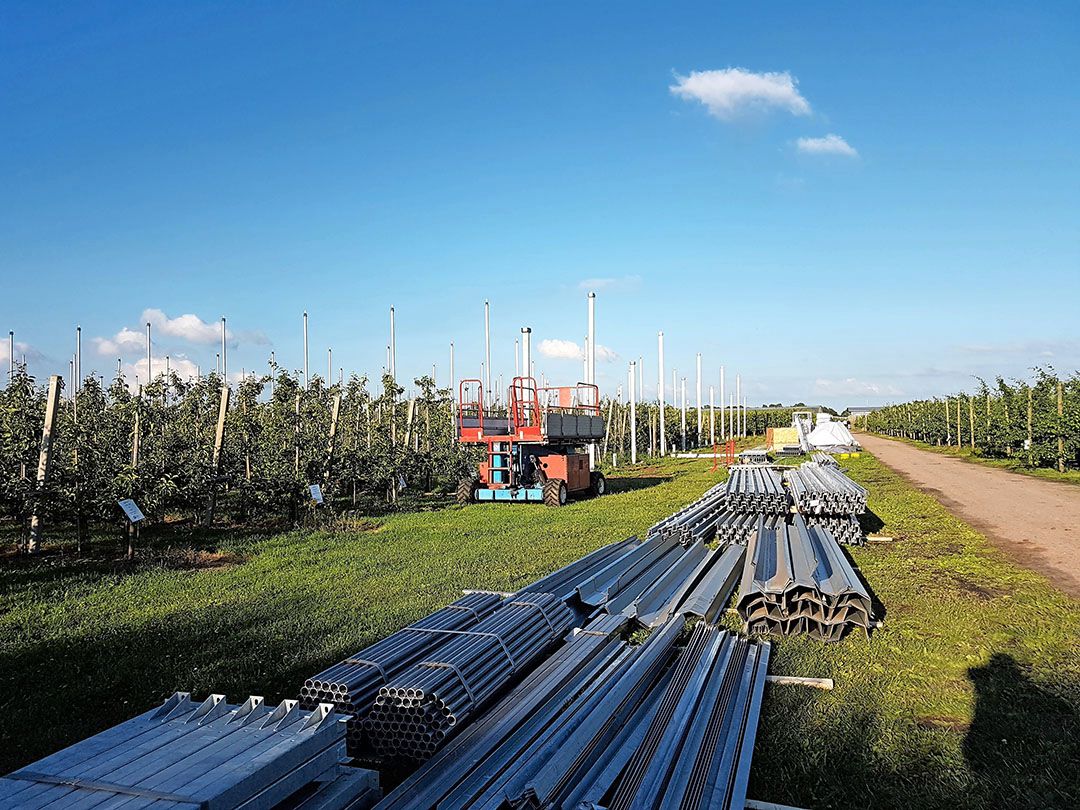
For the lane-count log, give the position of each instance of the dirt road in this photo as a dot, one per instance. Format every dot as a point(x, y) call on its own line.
point(1036, 522)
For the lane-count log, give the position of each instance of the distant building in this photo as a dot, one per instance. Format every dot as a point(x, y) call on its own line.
point(861, 412)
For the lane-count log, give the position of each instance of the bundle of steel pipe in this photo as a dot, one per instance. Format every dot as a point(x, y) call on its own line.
point(475, 758)
point(756, 488)
point(696, 521)
point(823, 490)
point(845, 528)
point(421, 707)
point(797, 580)
point(824, 459)
point(352, 685)
point(186, 754)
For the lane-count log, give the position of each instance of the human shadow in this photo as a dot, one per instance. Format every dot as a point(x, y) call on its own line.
point(1023, 744)
point(870, 523)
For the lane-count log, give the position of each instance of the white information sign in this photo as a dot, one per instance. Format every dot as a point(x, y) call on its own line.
point(316, 493)
point(131, 509)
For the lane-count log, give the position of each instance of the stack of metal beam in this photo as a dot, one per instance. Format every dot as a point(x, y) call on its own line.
point(605, 722)
point(353, 684)
point(696, 521)
point(823, 490)
point(704, 593)
point(210, 755)
point(736, 527)
point(845, 528)
point(615, 586)
point(421, 707)
point(565, 582)
point(797, 580)
point(824, 459)
point(756, 488)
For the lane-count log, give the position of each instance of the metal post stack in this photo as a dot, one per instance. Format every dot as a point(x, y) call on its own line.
point(418, 709)
point(828, 498)
point(756, 488)
point(696, 521)
point(210, 754)
point(797, 580)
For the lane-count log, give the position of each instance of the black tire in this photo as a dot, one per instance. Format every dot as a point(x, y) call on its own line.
point(555, 492)
point(597, 484)
point(466, 490)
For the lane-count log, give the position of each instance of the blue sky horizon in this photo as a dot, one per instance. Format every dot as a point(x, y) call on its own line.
point(845, 205)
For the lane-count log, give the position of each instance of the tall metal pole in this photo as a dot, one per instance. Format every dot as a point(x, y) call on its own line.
point(724, 435)
point(224, 355)
point(738, 402)
point(149, 370)
point(393, 347)
point(712, 417)
point(660, 391)
point(305, 353)
point(633, 412)
point(486, 376)
point(699, 397)
point(684, 414)
point(592, 339)
point(526, 349)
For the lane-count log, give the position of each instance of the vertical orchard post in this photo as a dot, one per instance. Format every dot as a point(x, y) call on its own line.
point(1030, 447)
point(660, 391)
point(633, 412)
point(52, 404)
point(971, 422)
point(1061, 427)
point(215, 463)
point(305, 352)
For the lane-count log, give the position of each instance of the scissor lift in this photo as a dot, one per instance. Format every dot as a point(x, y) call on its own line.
point(536, 446)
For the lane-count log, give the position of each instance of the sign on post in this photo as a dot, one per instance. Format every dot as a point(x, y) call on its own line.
point(316, 493)
point(132, 510)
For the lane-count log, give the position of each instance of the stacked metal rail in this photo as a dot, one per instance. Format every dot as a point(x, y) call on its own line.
point(824, 459)
point(696, 521)
point(736, 527)
point(756, 488)
point(210, 755)
point(797, 580)
point(420, 708)
point(823, 490)
point(830, 499)
point(605, 722)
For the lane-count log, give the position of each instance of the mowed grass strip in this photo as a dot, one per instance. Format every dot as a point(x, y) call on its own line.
point(83, 647)
point(968, 696)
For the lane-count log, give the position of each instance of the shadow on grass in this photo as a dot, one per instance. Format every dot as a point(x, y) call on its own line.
point(870, 523)
point(57, 691)
point(1024, 742)
point(633, 484)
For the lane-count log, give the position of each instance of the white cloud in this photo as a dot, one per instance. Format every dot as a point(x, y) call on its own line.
point(123, 342)
point(569, 350)
point(135, 373)
point(610, 283)
point(729, 92)
point(851, 386)
point(560, 349)
point(829, 145)
point(188, 327)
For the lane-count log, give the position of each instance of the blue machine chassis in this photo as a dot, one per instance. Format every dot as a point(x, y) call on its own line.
point(517, 494)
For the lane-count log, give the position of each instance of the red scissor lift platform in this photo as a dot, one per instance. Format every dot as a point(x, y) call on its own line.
point(536, 445)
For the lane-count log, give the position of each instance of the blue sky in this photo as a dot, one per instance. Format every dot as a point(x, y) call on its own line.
point(256, 161)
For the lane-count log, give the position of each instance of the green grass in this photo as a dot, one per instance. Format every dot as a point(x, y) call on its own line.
point(968, 696)
point(1014, 464)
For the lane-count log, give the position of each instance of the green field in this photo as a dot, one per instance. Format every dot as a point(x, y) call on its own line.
point(967, 696)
